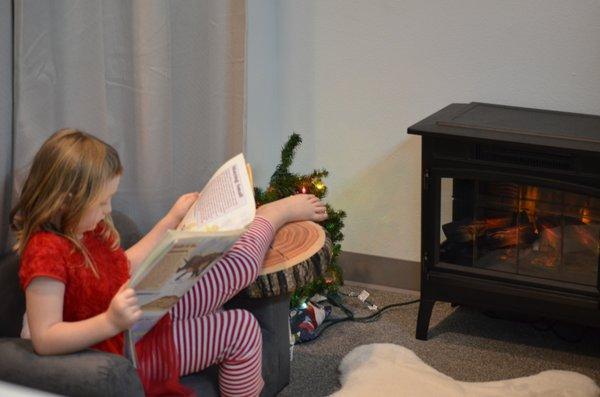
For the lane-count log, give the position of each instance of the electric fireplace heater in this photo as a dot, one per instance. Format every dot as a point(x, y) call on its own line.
point(510, 211)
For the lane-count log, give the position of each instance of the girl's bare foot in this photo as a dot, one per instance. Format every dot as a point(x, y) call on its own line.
point(299, 207)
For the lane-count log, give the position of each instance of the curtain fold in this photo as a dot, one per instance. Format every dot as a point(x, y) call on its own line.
point(162, 81)
point(6, 101)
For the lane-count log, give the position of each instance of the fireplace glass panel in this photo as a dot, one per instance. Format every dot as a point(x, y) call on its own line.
point(520, 229)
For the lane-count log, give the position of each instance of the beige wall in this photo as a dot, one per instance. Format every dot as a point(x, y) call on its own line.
point(351, 76)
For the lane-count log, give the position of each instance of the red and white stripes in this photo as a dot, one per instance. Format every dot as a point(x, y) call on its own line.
point(205, 334)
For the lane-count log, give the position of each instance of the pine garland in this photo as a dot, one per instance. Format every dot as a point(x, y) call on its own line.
point(284, 183)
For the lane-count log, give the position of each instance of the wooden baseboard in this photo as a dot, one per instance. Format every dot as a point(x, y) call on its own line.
point(379, 270)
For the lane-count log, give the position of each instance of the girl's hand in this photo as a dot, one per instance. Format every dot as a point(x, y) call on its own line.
point(180, 208)
point(171, 220)
point(124, 310)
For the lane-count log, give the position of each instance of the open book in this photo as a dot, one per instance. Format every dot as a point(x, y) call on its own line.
point(213, 224)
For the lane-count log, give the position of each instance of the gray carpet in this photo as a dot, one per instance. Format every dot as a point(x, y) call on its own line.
point(464, 343)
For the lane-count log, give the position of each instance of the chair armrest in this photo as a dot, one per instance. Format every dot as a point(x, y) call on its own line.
point(87, 373)
point(273, 316)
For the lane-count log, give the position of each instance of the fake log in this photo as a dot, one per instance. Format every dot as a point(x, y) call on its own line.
point(466, 230)
point(299, 254)
point(509, 236)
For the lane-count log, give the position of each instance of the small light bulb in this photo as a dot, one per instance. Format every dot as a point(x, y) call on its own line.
point(303, 189)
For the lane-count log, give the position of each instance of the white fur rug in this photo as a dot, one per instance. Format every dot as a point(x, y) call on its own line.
point(383, 369)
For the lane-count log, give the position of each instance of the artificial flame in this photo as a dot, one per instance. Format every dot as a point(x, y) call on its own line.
point(586, 216)
point(528, 205)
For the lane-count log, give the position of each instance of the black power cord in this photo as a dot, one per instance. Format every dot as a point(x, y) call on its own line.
point(336, 300)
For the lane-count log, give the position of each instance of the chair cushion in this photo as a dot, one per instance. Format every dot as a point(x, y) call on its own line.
point(88, 373)
point(128, 230)
point(12, 298)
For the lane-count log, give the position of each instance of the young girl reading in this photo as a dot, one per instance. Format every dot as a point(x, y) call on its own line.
point(75, 274)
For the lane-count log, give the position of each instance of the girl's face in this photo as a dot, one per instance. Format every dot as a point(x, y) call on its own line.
point(98, 209)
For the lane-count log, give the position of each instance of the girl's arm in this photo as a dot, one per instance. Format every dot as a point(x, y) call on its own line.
point(51, 335)
point(142, 248)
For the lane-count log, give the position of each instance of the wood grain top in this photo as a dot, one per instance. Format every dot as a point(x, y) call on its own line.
point(294, 243)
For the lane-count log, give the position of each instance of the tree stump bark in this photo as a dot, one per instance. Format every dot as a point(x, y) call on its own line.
point(299, 254)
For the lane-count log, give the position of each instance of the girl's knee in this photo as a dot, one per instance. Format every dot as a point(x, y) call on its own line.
point(249, 335)
point(248, 321)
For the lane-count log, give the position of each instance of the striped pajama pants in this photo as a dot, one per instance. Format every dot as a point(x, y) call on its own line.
point(205, 334)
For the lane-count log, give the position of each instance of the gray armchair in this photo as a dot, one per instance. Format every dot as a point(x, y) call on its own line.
point(93, 373)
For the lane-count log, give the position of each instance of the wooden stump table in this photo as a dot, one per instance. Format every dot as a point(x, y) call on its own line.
point(299, 254)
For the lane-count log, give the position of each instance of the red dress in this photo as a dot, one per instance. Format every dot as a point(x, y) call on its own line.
point(50, 255)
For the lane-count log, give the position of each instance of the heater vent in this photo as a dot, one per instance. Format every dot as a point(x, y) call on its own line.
point(523, 158)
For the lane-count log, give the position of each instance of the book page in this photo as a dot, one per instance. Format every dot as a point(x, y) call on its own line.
point(226, 202)
point(161, 284)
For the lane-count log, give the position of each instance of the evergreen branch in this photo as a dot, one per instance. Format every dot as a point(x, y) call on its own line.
point(319, 174)
point(287, 156)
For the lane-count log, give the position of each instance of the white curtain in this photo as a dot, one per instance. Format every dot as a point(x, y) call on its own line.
point(5, 118)
point(162, 81)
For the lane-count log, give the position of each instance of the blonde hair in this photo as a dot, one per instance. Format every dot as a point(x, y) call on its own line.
point(66, 177)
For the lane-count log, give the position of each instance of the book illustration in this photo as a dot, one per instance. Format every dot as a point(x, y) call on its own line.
point(196, 264)
point(165, 270)
point(162, 303)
